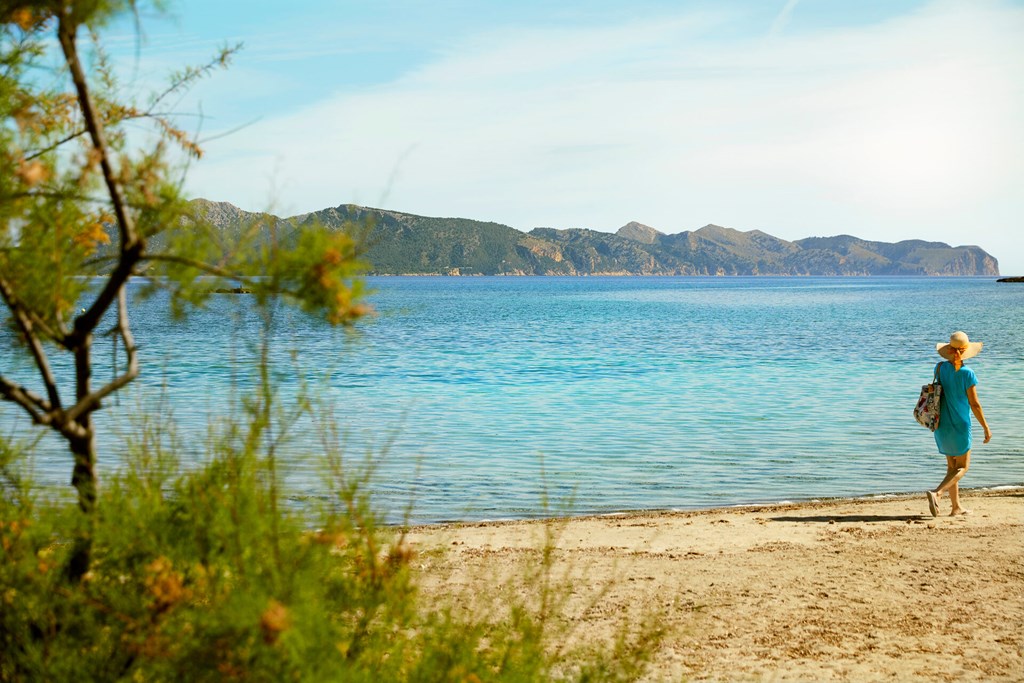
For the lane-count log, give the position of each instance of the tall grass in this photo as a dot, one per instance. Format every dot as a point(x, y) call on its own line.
point(203, 573)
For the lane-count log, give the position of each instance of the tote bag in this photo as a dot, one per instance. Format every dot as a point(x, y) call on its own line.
point(927, 410)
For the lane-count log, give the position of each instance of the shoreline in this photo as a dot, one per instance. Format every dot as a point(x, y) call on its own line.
point(765, 276)
point(869, 588)
point(641, 512)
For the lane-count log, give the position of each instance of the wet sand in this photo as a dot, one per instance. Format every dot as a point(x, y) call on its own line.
point(857, 590)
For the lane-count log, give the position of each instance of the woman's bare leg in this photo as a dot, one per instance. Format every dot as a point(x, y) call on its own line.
point(962, 463)
point(950, 473)
point(956, 468)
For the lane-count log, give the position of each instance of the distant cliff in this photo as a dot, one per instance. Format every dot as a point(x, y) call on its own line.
point(404, 244)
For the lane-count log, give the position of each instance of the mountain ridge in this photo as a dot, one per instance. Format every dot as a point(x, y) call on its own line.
point(408, 244)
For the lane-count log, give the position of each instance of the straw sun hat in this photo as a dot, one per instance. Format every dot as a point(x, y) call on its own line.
point(958, 340)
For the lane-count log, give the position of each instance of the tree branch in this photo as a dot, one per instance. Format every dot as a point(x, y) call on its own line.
point(59, 196)
point(193, 263)
point(36, 406)
point(131, 244)
point(84, 131)
point(56, 145)
point(25, 321)
point(184, 80)
point(66, 33)
point(41, 412)
point(193, 74)
point(90, 401)
point(12, 303)
point(214, 270)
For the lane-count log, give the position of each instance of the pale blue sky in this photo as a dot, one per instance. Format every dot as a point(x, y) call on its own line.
point(885, 119)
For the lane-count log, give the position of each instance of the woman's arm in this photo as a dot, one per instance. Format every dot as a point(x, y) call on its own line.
point(972, 398)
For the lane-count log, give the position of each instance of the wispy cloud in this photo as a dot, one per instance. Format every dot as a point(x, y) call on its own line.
point(900, 129)
point(782, 19)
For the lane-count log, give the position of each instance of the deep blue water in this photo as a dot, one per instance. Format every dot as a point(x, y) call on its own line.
point(480, 398)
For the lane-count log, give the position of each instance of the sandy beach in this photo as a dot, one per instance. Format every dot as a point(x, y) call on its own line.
point(856, 590)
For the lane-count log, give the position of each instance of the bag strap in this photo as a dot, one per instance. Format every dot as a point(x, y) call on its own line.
point(935, 377)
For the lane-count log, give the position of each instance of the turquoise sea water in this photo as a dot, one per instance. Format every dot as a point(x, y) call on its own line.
point(481, 397)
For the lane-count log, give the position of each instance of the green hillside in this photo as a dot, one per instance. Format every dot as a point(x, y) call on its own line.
point(405, 244)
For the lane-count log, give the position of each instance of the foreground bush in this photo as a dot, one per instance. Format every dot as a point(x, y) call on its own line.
point(161, 573)
point(205, 575)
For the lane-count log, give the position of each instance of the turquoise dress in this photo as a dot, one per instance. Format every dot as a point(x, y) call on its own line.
point(953, 437)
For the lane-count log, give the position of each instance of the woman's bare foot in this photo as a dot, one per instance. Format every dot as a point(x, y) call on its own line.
point(958, 512)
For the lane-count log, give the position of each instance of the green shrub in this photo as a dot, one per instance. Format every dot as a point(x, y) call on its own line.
point(203, 574)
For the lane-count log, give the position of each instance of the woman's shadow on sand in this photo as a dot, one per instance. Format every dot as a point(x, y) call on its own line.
point(830, 519)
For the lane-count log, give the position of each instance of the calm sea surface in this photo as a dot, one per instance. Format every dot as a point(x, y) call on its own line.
point(482, 398)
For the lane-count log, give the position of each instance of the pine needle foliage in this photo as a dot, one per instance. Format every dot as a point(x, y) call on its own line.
point(206, 573)
point(173, 571)
point(80, 196)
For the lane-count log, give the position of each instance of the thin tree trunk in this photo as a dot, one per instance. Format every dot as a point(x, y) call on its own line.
point(84, 479)
point(83, 447)
point(83, 476)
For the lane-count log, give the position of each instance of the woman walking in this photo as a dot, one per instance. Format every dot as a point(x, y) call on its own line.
point(959, 400)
